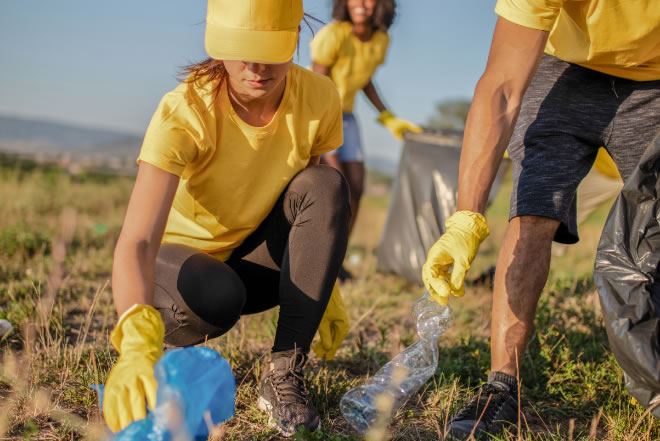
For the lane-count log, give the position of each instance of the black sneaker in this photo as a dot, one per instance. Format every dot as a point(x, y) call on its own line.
point(283, 396)
point(491, 409)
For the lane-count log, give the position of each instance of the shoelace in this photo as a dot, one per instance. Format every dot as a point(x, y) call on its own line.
point(489, 396)
point(289, 383)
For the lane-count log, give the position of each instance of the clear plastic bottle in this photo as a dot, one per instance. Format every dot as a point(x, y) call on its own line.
point(401, 377)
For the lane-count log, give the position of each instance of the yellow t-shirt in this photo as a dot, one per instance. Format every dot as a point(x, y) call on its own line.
point(616, 37)
point(605, 165)
point(352, 62)
point(233, 173)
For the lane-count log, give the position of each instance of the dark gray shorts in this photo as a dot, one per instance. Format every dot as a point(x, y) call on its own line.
point(567, 113)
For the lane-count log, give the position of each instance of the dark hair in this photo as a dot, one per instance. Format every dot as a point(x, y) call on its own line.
point(212, 70)
point(382, 19)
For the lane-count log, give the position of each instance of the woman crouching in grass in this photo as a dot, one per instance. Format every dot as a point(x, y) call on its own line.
point(231, 213)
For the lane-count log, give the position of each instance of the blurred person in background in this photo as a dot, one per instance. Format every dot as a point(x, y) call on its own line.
point(231, 213)
point(563, 78)
point(349, 50)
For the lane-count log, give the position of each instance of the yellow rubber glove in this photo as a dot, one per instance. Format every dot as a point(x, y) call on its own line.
point(396, 125)
point(138, 338)
point(458, 246)
point(333, 328)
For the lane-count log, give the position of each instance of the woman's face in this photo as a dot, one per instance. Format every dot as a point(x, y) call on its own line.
point(256, 80)
point(361, 11)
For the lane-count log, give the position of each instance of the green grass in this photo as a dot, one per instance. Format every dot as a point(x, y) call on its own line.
point(57, 235)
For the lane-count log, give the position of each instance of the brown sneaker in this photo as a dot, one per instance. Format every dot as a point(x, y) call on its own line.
point(283, 396)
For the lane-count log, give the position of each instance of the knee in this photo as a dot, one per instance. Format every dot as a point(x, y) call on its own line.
point(218, 296)
point(333, 184)
point(327, 187)
point(536, 228)
point(226, 297)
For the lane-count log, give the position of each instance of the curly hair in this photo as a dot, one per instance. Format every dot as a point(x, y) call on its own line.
point(382, 19)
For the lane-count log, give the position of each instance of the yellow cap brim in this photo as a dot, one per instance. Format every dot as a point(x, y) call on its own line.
point(269, 47)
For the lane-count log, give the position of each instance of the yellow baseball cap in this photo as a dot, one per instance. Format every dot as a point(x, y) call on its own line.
point(259, 31)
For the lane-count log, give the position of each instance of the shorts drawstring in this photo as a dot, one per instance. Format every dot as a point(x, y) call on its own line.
point(613, 88)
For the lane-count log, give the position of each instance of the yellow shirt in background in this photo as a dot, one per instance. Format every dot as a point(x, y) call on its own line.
point(605, 165)
point(616, 37)
point(233, 173)
point(352, 62)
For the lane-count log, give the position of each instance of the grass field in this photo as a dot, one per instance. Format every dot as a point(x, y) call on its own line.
point(57, 234)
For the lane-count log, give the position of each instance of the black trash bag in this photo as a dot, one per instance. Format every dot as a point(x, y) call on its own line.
point(423, 197)
point(628, 281)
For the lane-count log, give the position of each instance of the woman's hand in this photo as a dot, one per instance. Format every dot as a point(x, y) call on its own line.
point(396, 125)
point(138, 338)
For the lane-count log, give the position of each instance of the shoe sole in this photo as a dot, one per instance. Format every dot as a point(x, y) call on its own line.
point(264, 405)
point(457, 437)
point(461, 435)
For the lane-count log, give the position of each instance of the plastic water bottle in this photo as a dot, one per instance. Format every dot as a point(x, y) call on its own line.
point(400, 378)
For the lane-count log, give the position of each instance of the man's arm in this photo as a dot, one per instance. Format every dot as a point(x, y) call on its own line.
point(515, 54)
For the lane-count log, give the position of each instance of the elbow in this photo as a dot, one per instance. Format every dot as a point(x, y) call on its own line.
point(512, 95)
point(504, 93)
point(142, 249)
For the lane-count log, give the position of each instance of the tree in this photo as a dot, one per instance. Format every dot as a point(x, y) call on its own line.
point(450, 114)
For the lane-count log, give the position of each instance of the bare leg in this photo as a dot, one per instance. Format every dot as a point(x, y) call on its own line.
point(354, 172)
point(522, 270)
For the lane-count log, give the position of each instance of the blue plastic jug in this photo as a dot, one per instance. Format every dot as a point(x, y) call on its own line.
point(197, 385)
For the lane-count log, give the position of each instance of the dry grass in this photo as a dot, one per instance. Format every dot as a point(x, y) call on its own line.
point(57, 234)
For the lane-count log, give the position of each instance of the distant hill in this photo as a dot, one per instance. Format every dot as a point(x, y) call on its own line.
point(39, 136)
point(32, 136)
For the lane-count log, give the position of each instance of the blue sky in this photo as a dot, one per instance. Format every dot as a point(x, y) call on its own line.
point(107, 64)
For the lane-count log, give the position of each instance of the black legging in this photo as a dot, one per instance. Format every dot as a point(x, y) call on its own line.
point(291, 260)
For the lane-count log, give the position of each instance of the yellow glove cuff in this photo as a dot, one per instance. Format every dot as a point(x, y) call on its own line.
point(469, 221)
point(140, 325)
point(384, 116)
